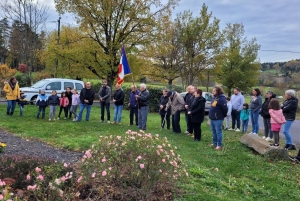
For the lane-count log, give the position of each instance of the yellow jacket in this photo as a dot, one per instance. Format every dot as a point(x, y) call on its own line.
point(11, 94)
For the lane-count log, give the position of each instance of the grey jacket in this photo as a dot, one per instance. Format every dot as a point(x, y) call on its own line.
point(107, 96)
point(177, 103)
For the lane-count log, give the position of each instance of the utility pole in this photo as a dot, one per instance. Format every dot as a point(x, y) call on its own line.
point(58, 38)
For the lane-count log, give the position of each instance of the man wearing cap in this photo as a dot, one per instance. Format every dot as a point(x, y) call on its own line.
point(176, 103)
point(164, 99)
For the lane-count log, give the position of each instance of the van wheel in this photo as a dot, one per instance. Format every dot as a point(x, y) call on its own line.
point(33, 100)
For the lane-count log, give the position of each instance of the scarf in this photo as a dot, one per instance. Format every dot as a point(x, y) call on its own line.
point(12, 85)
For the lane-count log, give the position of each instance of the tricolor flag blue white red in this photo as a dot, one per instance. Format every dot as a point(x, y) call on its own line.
point(124, 68)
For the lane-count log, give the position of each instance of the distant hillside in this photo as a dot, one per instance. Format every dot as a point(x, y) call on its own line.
point(279, 65)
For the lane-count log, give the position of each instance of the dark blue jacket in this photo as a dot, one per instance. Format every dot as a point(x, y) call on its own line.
point(53, 100)
point(218, 109)
point(132, 99)
point(42, 100)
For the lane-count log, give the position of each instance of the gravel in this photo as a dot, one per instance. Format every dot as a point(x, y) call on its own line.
point(19, 146)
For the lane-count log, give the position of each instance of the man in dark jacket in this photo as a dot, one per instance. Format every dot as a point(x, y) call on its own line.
point(217, 113)
point(164, 99)
point(289, 109)
point(133, 105)
point(118, 99)
point(188, 99)
point(87, 96)
point(143, 105)
point(104, 97)
point(266, 116)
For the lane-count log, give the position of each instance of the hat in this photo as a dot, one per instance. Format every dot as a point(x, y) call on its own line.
point(169, 94)
point(42, 90)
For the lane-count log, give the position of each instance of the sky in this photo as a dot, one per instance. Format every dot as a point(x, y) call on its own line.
point(274, 23)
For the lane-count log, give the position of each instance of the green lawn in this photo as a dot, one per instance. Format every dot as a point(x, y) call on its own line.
point(235, 173)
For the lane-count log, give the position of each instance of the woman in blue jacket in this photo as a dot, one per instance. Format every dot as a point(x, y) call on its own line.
point(217, 113)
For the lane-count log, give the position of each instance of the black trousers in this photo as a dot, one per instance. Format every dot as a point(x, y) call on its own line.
point(104, 106)
point(189, 122)
point(176, 122)
point(197, 131)
point(69, 110)
point(236, 117)
point(134, 111)
point(65, 111)
point(167, 120)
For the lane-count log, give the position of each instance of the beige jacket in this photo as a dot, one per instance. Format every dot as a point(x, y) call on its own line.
point(177, 104)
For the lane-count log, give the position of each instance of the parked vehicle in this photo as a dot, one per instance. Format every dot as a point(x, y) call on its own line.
point(208, 98)
point(49, 84)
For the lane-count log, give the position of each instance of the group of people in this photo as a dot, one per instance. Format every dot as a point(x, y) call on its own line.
point(232, 109)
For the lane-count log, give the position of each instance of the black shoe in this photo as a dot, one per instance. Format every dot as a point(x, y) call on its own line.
point(291, 147)
point(274, 145)
point(294, 159)
point(11, 113)
point(286, 146)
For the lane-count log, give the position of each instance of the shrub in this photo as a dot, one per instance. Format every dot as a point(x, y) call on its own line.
point(17, 167)
point(23, 80)
point(137, 166)
point(23, 68)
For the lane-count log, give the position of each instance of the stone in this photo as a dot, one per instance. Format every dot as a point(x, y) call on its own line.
point(263, 147)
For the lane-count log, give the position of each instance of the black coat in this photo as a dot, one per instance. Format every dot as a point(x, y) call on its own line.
point(53, 100)
point(265, 108)
point(87, 94)
point(144, 98)
point(289, 108)
point(197, 110)
point(163, 101)
point(69, 96)
point(119, 97)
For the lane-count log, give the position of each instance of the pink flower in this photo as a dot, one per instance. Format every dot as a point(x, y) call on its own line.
point(79, 179)
point(139, 157)
point(64, 178)
point(109, 168)
point(163, 160)
point(37, 169)
point(65, 165)
point(1, 197)
point(2, 183)
point(57, 181)
point(28, 177)
point(142, 166)
point(9, 200)
point(103, 160)
point(104, 173)
point(31, 187)
point(159, 146)
point(88, 153)
point(41, 177)
point(160, 170)
point(187, 174)
point(140, 135)
point(94, 174)
point(157, 152)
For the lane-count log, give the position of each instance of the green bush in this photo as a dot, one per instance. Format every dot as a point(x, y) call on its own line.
point(23, 80)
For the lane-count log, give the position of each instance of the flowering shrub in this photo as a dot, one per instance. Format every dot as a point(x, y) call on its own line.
point(138, 166)
point(18, 166)
point(2, 147)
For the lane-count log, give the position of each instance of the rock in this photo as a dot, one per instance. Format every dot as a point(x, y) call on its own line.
point(263, 147)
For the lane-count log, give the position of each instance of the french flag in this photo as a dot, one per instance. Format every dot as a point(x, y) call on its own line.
point(124, 68)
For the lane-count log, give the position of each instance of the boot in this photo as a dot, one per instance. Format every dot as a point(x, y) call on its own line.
point(7, 113)
point(11, 113)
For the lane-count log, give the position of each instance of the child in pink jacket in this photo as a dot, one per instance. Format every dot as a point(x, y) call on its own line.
point(64, 103)
point(277, 119)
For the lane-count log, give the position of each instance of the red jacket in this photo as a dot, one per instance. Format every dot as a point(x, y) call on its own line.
point(64, 101)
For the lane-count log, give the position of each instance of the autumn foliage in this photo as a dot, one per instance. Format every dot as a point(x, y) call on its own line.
point(5, 73)
point(23, 68)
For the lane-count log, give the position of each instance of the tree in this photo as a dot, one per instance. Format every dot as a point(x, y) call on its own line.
point(4, 36)
point(109, 24)
point(164, 53)
point(201, 40)
point(239, 66)
point(5, 74)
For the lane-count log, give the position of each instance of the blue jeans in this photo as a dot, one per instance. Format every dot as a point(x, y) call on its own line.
point(88, 111)
point(143, 114)
point(21, 109)
point(11, 105)
point(118, 113)
point(216, 129)
point(286, 132)
point(254, 120)
point(245, 125)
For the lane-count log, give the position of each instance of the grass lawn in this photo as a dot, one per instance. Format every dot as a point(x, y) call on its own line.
point(235, 173)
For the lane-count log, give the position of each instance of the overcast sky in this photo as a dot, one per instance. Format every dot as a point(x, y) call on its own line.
point(274, 23)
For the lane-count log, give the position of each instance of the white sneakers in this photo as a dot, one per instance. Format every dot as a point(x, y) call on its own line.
point(268, 139)
point(237, 130)
point(263, 137)
point(186, 132)
point(108, 122)
point(230, 129)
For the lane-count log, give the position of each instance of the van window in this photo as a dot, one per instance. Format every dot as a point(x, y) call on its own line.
point(54, 86)
point(39, 84)
point(68, 84)
point(208, 97)
point(78, 86)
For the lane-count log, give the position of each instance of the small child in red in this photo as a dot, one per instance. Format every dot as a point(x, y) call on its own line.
point(277, 119)
point(64, 102)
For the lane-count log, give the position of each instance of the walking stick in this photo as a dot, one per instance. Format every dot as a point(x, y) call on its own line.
point(163, 121)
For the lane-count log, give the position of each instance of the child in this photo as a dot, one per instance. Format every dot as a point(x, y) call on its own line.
point(245, 113)
point(69, 94)
point(41, 102)
point(75, 103)
point(228, 117)
point(277, 119)
point(22, 102)
point(53, 101)
point(64, 102)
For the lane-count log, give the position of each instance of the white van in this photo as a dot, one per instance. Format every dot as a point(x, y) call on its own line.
point(49, 84)
point(208, 98)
